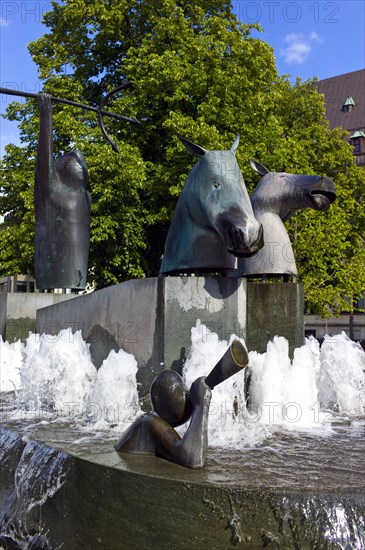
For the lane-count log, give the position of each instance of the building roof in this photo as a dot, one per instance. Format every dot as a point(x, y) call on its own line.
point(358, 134)
point(338, 90)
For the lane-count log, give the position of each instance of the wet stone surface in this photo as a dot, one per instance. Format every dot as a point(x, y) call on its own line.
point(294, 490)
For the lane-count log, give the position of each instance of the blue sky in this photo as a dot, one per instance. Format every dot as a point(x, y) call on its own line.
point(310, 38)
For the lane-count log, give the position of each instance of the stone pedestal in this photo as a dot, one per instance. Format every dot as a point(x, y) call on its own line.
point(274, 309)
point(219, 303)
point(152, 318)
point(18, 312)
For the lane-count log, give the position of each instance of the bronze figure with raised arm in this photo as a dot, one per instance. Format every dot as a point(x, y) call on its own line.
point(173, 405)
point(62, 211)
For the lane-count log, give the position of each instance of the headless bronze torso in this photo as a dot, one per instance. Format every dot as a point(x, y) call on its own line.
point(62, 212)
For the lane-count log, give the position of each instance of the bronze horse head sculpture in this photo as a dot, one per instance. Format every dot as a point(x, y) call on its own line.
point(275, 199)
point(213, 223)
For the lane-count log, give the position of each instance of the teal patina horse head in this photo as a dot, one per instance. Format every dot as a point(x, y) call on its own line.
point(213, 223)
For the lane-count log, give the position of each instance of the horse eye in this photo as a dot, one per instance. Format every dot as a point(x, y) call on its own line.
point(216, 184)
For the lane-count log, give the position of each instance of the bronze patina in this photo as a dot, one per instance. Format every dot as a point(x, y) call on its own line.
point(275, 199)
point(213, 222)
point(62, 202)
point(173, 405)
point(62, 212)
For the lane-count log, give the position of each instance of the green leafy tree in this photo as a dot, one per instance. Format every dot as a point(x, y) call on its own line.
point(198, 72)
point(329, 247)
point(16, 199)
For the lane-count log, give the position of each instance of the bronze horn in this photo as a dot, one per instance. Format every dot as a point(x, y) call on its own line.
point(234, 359)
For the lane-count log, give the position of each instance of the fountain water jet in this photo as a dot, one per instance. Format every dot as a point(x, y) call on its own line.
point(268, 481)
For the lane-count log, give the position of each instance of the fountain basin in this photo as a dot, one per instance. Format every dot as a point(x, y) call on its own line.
point(294, 491)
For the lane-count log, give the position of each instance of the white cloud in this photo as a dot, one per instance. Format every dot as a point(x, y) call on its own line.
point(293, 37)
point(315, 37)
point(298, 47)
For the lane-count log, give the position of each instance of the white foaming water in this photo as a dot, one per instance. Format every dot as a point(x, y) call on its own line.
point(114, 399)
point(283, 394)
point(341, 378)
point(230, 424)
point(56, 374)
point(10, 363)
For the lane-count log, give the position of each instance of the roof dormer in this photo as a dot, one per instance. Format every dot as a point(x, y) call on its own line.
point(348, 104)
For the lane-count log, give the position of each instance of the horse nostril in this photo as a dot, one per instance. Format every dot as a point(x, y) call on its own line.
point(238, 237)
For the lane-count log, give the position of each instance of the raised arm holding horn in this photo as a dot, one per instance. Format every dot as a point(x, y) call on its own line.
point(173, 405)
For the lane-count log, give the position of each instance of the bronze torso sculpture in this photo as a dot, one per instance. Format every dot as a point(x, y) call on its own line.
point(62, 212)
point(62, 202)
point(276, 198)
point(213, 221)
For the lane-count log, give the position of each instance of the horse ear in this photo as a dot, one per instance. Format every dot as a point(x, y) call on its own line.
point(193, 148)
point(234, 145)
point(260, 168)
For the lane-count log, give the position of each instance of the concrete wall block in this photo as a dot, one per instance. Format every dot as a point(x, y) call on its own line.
point(121, 316)
point(18, 312)
point(152, 318)
point(218, 303)
point(274, 309)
